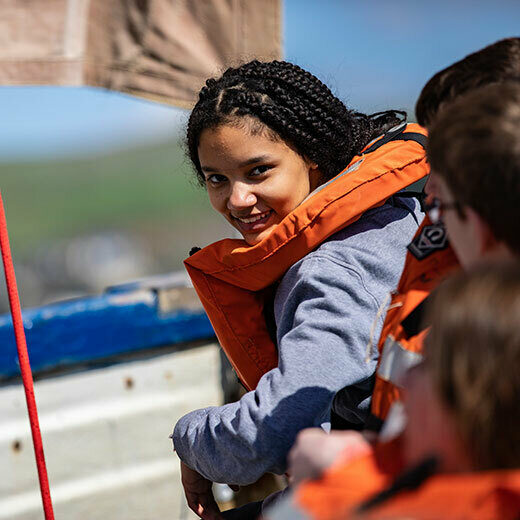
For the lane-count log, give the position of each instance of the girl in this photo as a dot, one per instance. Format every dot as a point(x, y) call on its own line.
point(297, 174)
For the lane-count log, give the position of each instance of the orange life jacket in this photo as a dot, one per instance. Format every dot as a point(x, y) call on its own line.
point(234, 281)
point(489, 495)
point(429, 260)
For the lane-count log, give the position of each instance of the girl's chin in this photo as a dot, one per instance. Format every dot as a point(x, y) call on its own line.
point(253, 238)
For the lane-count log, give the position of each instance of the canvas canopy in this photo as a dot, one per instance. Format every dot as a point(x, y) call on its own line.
point(159, 49)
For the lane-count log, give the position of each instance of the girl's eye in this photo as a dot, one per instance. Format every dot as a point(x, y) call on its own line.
point(259, 170)
point(215, 179)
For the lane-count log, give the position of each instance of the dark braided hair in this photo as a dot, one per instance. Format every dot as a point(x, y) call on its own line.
point(295, 106)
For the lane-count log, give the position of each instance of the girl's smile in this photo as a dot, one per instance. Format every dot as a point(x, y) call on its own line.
point(253, 179)
point(254, 222)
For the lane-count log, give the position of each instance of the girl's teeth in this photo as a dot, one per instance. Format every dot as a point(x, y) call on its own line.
point(250, 220)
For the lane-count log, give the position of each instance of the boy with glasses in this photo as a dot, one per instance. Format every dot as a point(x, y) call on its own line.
point(431, 258)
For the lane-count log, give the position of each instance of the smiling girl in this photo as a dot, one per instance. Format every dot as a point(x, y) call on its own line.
point(313, 189)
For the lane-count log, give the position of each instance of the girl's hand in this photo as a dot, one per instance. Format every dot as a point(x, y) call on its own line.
point(315, 450)
point(199, 494)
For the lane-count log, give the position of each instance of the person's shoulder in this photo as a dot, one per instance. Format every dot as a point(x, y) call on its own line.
point(376, 230)
point(372, 244)
point(324, 266)
point(323, 278)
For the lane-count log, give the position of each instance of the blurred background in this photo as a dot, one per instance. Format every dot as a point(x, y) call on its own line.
point(96, 186)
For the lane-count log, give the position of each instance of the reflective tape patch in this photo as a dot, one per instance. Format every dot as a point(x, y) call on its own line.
point(432, 238)
point(395, 361)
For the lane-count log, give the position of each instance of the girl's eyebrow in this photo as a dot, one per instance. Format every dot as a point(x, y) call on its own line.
point(254, 160)
point(208, 169)
point(248, 162)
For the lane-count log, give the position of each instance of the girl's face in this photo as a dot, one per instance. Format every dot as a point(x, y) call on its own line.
point(253, 180)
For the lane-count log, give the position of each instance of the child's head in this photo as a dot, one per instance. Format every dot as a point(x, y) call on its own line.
point(463, 401)
point(495, 63)
point(264, 135)
point(474, 153)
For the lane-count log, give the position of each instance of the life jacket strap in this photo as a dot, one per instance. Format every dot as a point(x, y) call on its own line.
point(408, 481)
point(397, 134)
point(414, 323)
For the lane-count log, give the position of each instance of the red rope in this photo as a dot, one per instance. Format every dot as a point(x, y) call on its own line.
point(25, 367)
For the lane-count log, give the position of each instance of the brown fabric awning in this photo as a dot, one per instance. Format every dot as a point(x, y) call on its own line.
point(158, 49)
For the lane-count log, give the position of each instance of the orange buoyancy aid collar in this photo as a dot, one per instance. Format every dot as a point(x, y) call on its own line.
point(349, 482)
point(340, 492)
point(234, 280)
point(429, 260)
point(474, 496)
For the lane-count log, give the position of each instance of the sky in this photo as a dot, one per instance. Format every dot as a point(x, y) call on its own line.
point(374, 54)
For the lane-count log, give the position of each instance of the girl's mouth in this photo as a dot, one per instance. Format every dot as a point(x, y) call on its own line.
point(253, 223)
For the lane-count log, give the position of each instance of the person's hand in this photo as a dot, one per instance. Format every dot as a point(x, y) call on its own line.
point(315, 450)
point(199, 494)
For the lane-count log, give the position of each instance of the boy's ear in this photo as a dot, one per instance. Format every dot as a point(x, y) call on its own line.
point(487, 242)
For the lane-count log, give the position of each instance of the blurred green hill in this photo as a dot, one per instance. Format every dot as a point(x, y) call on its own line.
point(148, 191)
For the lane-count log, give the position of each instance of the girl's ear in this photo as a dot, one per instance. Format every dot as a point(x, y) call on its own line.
point(315, 175)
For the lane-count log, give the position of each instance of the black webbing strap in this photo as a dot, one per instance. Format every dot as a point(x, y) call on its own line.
point(398, 134)
point(414, 136)
point(407, 481)
point(373, 423)
point(414, 323)
point(337, 422)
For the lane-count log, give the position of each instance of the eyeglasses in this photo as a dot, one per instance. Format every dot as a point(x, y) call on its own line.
point(434, 208)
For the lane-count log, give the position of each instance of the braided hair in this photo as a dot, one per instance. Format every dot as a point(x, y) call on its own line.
point(293, 105)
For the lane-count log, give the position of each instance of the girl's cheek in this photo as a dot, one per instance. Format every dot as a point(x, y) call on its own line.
point(217, 200)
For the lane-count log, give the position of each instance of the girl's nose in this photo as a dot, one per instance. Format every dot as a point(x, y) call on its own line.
point(241, 196)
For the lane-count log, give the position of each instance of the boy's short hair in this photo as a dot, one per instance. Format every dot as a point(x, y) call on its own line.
point(472, 355)
point(495, 63)
point(474, 145)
